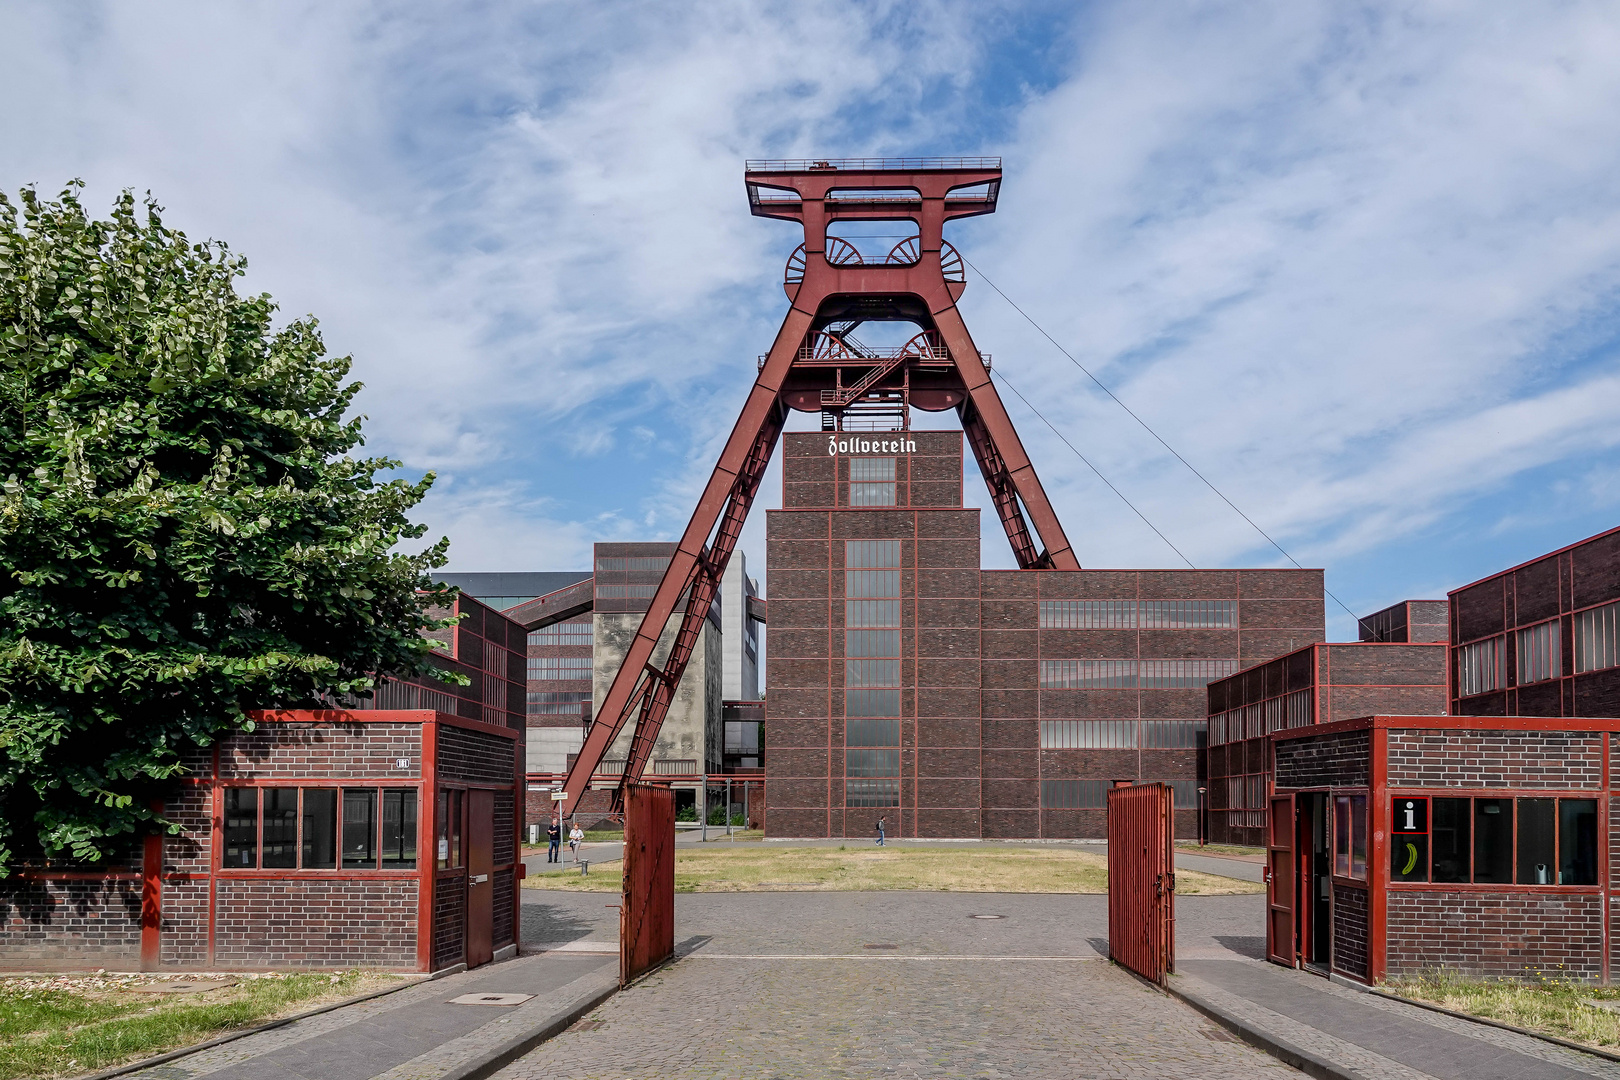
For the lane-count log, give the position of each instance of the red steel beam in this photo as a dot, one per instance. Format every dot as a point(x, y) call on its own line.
point(815, 194)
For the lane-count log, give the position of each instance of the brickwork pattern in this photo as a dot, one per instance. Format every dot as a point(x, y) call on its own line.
point(473, 757)
point(449, 921)
point(1495, 759)
point(280, 751)
point(1495, 935)
point(1343, 760)
point(315, 923)
point(783, 1020)
point(183, 933)
point(501, 903)
point(1350, 930)
point(68, 920)
point(505, 837)
point(190, 807)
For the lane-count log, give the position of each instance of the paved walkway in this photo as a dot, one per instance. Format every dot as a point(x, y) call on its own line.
point(786, 985)
point(413, 1033)
point(867, 984)
point(1372, 1036)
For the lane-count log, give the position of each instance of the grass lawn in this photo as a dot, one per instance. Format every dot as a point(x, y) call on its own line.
point(1220, 849)
point(757, 868)
point(68, 1025)
point(1548, 1005)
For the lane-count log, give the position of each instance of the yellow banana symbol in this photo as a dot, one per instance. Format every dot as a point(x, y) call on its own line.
point(1411, 859)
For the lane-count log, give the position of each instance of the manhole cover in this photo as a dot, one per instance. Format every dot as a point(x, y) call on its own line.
point(880, 946)
point(194, 986)
point(490, 999)
point(987, 916)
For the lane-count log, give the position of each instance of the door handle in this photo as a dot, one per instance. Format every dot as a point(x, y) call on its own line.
point(479, 879)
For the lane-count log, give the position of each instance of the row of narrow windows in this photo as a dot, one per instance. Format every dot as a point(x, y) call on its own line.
point(1538, 652)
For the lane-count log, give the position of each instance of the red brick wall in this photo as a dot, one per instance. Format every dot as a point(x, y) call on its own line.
point(473, 756)
point(1350, 922)
point(323, 751)
point(501, 901)
point(1342, 760)
point(190, 807)
point(183, 934)
point(1512, 759)
point(1495, 935)
point(67, 921)
point(449, 920)
point(303, 922)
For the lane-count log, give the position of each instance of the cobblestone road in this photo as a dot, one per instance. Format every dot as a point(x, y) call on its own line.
point(947, 1000)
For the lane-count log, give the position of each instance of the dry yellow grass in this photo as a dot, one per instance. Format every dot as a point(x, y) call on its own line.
point(1552, 1006)
point(964, 868)
point(68, 1025)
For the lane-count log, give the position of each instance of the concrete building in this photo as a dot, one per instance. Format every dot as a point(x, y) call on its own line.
point(583, 624)
point(739, 679)
point(904, 681)
point(689, 743)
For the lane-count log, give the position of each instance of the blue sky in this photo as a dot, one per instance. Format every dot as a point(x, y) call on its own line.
point(1359, 263)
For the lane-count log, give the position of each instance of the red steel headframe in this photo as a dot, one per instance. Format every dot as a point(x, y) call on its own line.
point(835, 290)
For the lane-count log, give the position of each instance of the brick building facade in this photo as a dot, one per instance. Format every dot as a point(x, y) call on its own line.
point(382, 837)
point(1541, 639)
point(904, 681)
point(1319, 684)
point(1484, 846)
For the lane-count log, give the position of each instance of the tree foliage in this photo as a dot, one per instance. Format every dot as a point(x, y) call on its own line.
point(185, 533)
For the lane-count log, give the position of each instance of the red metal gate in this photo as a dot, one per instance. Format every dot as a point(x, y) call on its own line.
point(647, 914)
point(1142, 879)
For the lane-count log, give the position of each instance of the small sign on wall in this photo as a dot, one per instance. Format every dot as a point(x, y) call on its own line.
point(1409, 842)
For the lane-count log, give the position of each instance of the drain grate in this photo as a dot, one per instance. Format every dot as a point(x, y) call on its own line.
point(491, 999)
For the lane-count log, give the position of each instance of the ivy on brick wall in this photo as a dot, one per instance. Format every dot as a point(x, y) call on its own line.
point(185, 530)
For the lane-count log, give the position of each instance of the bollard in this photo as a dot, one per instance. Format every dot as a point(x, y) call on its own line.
point(584, 867)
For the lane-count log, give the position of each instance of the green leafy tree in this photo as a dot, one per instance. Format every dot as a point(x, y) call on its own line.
point(184, 532)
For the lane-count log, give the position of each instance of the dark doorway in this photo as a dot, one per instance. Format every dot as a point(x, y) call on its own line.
point(1319, 883)
point(480, 865)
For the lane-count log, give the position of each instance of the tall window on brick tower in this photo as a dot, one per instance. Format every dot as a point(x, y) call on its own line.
point(871, 481)
point(872, 672)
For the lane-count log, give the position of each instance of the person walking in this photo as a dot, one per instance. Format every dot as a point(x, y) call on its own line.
point(881, 822)
point(575, 837)
point(554, 841)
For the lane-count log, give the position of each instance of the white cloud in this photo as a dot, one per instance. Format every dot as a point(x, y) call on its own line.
point(1360, 264)
point(1342, 259)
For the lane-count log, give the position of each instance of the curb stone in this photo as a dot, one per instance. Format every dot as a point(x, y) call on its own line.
point(503, 1054)
point(1304, 1060)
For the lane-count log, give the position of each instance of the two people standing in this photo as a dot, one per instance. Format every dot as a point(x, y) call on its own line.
point(576, 836)
point(554, 841)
